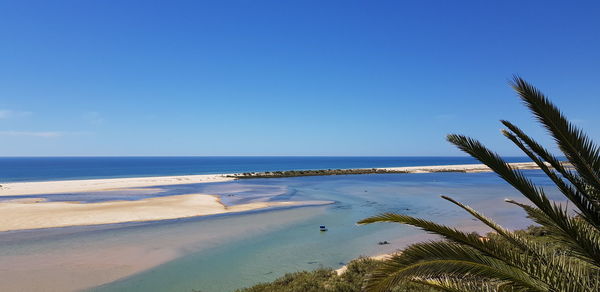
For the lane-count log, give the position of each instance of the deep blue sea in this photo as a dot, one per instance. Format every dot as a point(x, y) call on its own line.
point(60, 168)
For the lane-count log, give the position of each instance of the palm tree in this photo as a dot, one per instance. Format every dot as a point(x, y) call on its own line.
point(568, 260)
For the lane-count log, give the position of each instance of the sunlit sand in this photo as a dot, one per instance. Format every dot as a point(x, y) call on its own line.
point(34, 214)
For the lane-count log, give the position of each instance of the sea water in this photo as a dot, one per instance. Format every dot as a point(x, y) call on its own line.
point(297, 244)
point(62, 168)
point(226, 252)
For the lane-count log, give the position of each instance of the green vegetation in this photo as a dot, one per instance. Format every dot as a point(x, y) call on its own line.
point(293, 173)
point(327, 280)
point(565, 258)
point(561, 254)
point(353, 279)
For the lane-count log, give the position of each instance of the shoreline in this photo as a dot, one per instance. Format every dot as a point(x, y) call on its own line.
point(27, 215)
point(88, 185)
point(114, 263)
point(21, 210)
point(379, 257)
point(464, 168)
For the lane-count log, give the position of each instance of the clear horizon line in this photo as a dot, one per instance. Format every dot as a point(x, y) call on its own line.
point(67, 156)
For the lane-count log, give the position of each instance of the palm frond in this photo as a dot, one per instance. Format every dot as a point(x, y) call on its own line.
point(470, 239)
point(581, 151)
point(507, 234)
point(589, 209)
point(555, 216)
point(503, 169)
point(467, 284)
point(581, 238)
point(460, 257)
point(568, 259)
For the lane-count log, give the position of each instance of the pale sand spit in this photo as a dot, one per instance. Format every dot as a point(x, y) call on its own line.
point(459, 167)
point(21, 215)
point(89, 185)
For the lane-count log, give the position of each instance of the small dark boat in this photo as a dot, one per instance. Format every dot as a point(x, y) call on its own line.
point(322, 228)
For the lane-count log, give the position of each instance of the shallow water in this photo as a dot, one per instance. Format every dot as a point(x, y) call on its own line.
point(222, 253)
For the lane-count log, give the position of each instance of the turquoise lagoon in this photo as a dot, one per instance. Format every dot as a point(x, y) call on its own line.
point(222, 253)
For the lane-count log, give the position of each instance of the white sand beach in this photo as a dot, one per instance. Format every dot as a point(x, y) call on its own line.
point(89, 185)
point(469, 168)
point(93, 259)
point(94, 266)
point(35, 214)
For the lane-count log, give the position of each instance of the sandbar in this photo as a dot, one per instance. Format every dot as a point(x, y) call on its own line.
point(469, 168)
point(34, 213)
point(19, 215)
point(89, 185)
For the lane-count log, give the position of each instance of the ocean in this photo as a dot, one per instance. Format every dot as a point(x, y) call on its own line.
point(13, 169)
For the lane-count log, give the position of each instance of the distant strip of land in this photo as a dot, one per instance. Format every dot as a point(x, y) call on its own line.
point(90, 185)
point(31, 212)
point(469, 168)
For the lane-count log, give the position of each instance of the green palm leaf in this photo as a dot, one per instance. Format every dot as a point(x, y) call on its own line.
point(583, 154)
point(569, 257)
point(588, 208)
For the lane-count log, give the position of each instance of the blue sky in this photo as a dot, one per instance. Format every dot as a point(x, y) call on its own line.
point(286, 77)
